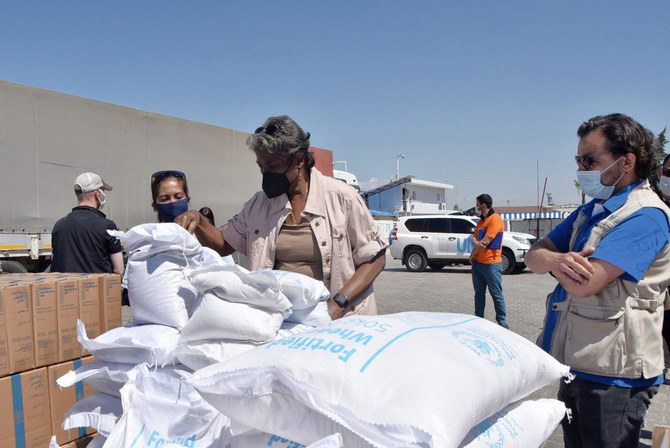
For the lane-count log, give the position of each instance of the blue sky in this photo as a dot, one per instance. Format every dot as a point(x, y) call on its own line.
point(485, 95)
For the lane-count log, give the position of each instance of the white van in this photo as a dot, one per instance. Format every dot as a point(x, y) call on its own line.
point(438, 240)
point(347, 177)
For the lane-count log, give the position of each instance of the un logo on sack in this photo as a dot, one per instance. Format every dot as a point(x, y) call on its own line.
point(481, 346)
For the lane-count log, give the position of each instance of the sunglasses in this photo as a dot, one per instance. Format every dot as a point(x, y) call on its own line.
point(158, 175)
point(587, 161)
point(270, 130)
point(665, 172)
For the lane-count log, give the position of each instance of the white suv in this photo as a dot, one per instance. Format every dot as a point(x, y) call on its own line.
point(438, 240)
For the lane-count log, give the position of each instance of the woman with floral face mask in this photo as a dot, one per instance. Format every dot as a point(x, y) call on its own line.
point(169, 191)
point(302, 222)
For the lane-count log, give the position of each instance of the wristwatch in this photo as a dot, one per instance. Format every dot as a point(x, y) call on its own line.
point(341, 300)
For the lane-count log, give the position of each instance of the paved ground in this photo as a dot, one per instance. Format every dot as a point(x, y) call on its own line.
point(450, 290)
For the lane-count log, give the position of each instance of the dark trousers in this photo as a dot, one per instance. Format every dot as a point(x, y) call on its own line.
point(604, 416)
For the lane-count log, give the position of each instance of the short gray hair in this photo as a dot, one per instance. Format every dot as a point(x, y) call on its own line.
point(282, 136)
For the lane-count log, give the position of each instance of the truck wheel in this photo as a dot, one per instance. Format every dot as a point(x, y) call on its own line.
point(12, 267)
point(508, 261)
point(415, 260)
point(436, 266)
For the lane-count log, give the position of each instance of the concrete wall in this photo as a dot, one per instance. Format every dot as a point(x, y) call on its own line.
point(48, 138)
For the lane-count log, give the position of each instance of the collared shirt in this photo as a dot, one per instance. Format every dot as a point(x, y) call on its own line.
point(81, 243)
point(632, 245)
point(491, 226)
point(344, 230)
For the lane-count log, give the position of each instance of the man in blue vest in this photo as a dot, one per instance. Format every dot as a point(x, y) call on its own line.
point(610, 258)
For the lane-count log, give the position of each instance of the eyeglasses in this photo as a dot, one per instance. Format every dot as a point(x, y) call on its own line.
point(270, 130)
point(588, 160)
point(167, 173)
point(665, 172)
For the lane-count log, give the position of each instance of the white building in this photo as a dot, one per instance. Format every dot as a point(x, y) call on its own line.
point(408, 196)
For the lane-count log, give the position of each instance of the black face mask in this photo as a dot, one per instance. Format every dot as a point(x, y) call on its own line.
point(276, 184)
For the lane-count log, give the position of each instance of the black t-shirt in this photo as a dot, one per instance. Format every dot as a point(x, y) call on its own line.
point(80, 242)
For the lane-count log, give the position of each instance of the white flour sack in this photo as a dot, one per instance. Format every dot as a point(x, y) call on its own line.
point(158, 254)
point(216, 318)
point(257, 439)
point(301, 290)
point(314, 316)
point(524, 424)
point(135, 344)
point(160, 409)
point(408, 379)
point(198, 354)
point(235, 284)
point(107, 377)
point(98, 411)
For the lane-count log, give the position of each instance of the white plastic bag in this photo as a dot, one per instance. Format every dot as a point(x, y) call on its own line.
point(301, 290)
point(160, 409)
point(215, 318)
point(314, 316)
point(135, 344)
point(524, 424)
point(108, 377)
point(199, 354)
point(235, 284)
point(397, 380)
point(257, 439)
point(159, 255)
point(98, 411)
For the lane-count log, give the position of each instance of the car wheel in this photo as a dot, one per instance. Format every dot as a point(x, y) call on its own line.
point(436, 266)
point(519, 268)
point(508, 261)
point(12, 267)
point(415, 261)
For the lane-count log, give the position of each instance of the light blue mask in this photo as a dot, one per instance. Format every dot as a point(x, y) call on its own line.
point(103, 202)
point(589, 182)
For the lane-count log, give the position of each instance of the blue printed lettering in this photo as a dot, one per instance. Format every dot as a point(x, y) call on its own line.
point(347, 354)
point(361, 338)
point(324, 347)
point(190, 441)
point(346, 333)
point(154, 437)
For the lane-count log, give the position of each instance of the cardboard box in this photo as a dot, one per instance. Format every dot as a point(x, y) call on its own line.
point(18, 326)
point(24, 406)
point(61, 400)
point(4, 349)
point(660, 437)
point(67, 293)
point(110, 301)
point(45, 321)
point(89, 304)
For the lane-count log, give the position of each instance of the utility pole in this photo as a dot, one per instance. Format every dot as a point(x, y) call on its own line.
point(397, 165)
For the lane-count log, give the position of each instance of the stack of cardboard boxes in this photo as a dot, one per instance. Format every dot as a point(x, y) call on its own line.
point(38, 344)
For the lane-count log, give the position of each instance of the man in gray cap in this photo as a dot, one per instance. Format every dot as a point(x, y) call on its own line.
point(80, 240)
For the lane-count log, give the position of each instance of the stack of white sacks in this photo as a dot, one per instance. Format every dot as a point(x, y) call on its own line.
point(221, 357)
